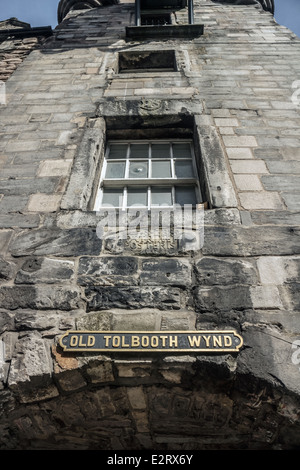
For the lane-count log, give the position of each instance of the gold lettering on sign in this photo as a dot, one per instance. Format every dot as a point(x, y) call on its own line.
point(116, 341)
point(73, 341)
point(194, 341)
point(135, 341)
point(186, 341)
point(217, 341)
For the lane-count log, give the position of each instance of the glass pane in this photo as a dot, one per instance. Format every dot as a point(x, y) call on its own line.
point(138, 170)
point(184, 169)
point(137, 196)
point(161, 196)
point(182, 150)
point(161, 169)
point(160, 151)
point(139, 151)
point(117, 151)
point(113, 197)
point(115, 170)
point(185, 195)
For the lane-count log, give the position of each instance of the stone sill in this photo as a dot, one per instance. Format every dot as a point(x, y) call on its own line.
point(187, 31)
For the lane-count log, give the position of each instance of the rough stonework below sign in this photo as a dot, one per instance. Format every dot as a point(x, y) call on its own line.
point(157, 341)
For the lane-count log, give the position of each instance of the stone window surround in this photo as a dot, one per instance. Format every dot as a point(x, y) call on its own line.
point(140, 61)
point(112, 61)
point(85, 174)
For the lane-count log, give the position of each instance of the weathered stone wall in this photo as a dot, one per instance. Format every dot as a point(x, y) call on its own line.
point(17, 40)
point(235, 82)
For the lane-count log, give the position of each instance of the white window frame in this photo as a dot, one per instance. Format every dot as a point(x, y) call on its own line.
point(148, 183)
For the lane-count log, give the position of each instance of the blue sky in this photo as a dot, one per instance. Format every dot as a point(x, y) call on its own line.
point(43, 12)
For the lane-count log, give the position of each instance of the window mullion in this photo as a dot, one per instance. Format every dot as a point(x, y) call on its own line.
point(173, 195)
point(127, 162)
point(125, 193)
point(149, 197)
point(150, 160)
point(172, 161)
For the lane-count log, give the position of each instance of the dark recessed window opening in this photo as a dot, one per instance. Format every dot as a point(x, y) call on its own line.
point(155, 20)
point(143, 61)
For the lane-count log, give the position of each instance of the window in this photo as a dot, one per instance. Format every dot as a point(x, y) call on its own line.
point(147, 61)
point(148, 174)
point(155, 19)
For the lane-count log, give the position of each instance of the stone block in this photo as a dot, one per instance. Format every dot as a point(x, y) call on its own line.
point(45, 270)
point(251, 241)
point(265, 297)
point(248, 166)
point(39, 297)
point(292, 201)
point(108, 270)
point(281, 167)
point(217, 298)
point(248, 183)
point(7, 269)
point(70, 381)
point(28, 186)
point(288, 183)
point(222, 217)
point(31, 366)
point(226, 122)
point(64, 138)
point(23, 146)
point(73, 242)
point(276, 270)
point(145, 320)
point(18, 171)
point(215, 166)
point(137, 398)
point(5, 236)
point(54, 168)
point(261, 200)
point(239, 141)
point(85, 166)
point(103, 298)
point(276, 217)
point(43, 321)
point(226, 130)
point(254, 359)
point(19, 220)
point(221, 271)
point(6, 321)
point(239, 153)
point(100, 372)
point(44, 202)
point(290, 296)
point(166, 272)
point(178, 320)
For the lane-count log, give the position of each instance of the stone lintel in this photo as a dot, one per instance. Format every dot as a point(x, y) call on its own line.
point(187, 31)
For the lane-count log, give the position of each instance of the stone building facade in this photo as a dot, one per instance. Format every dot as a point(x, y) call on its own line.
point(17, 40)
point(222, 77)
